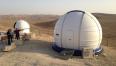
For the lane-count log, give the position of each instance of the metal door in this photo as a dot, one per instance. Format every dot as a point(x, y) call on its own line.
point(68, 40)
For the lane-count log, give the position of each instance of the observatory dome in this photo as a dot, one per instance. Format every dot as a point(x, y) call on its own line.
point(77, 30)
point(22, 25)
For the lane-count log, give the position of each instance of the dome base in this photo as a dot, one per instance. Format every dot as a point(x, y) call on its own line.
point(77, 52)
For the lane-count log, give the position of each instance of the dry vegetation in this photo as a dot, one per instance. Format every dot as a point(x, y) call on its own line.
point(38, 51)
point(108, 23)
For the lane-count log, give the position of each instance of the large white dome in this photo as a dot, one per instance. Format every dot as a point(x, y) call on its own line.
point(78, 30)
point(21, 24)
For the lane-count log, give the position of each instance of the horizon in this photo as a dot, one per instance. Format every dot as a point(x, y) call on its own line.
point(46, 14)
point(55, 7)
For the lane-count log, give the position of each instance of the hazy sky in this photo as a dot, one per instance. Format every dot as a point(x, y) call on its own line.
point(56, 6)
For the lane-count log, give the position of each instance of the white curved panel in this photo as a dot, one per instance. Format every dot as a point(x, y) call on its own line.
point(99, 27)
point(71, 29)
point(57, 31)
point(90, 33)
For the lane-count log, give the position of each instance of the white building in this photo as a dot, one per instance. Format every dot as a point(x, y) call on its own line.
point(77, 30)
point(22, 25)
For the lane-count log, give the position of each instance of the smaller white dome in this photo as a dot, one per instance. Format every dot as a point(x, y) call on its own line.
point(22, 25)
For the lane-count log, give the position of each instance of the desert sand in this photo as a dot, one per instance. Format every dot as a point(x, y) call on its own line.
point(38, 51)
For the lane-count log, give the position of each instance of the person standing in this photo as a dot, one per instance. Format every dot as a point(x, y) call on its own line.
point(12, 35)
point(9, 36)
point(17, 34)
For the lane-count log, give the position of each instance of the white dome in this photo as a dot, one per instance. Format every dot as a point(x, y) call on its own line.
point(21, 24)
point(78, 30)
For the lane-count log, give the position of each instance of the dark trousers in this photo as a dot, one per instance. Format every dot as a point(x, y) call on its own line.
point(17, 37)
point(12, 39)
point(9, 40)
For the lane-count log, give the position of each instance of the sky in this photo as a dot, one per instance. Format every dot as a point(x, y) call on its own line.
point(57, 7)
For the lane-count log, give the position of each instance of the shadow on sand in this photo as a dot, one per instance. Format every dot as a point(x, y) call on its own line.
point(40, 47)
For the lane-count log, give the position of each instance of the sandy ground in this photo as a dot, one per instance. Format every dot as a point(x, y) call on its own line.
point(39, 53)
